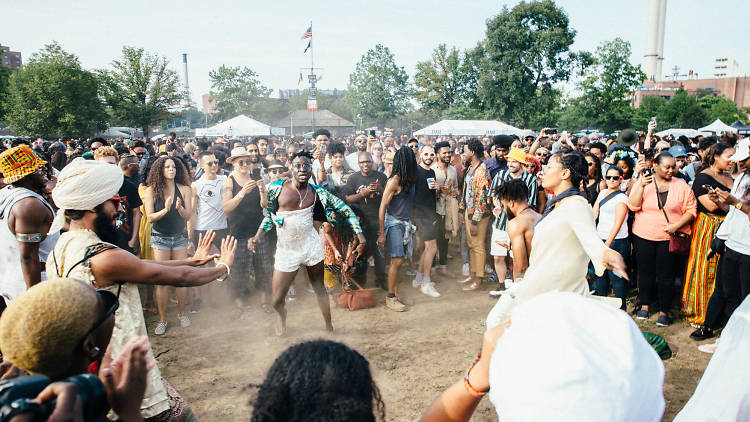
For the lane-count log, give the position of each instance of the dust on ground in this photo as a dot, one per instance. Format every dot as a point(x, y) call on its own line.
point(414, 355)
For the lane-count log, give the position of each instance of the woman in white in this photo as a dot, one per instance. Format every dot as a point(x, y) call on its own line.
point(565, 239)
point(611, 208)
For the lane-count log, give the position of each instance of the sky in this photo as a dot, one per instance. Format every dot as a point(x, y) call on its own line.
point(265, 36)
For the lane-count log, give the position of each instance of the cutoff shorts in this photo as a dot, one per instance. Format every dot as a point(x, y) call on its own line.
point(167, 242)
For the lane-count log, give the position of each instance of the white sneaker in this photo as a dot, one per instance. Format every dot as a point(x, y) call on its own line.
point(429, 289)
point(394, 304)
point(417, 281)
point(160, 329)
point(465, 270)
point(488, 269)
point(184, 321)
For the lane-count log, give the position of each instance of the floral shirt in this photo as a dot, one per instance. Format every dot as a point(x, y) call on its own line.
point(476, 193)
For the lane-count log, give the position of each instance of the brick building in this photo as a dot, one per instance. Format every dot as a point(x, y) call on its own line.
point(11, 59)
point(734, 88)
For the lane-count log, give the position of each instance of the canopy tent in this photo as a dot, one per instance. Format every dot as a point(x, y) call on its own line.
point(236, 126)
point(718, 127)
point(742, 128)
point(470, 128)
point(690, 133)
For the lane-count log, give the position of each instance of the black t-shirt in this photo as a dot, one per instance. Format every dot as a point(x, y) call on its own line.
point(370, 205)
point(129, 192)
point(424, 198)
point(698, 189)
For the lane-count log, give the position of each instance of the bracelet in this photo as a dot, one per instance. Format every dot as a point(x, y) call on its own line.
point(228, 271)
point(241, 195)
point(473, 391)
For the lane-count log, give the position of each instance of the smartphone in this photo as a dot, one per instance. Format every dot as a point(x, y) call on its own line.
point(371, 133)
point(653, 119)
point(647, 172)
point(323, 148)
point(552, 131)
point(255, 174)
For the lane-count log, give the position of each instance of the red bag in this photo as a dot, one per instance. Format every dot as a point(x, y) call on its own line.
point(356, 299)
point(679, 242)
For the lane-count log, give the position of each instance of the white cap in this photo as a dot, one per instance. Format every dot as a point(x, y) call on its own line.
point(566, 357)
point(741, 151)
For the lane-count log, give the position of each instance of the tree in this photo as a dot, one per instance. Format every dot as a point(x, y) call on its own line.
point(52, 95)
point(5, 73)
point(443, 82)
point(721, 107)
point(526, 53)
point(651, 106)
point(608, 85)
point(237, 90)
point(141, 90)
point(670, 114)
point(378, 88)
point(694, 117)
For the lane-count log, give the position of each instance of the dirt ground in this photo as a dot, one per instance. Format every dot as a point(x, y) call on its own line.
point(414, 355)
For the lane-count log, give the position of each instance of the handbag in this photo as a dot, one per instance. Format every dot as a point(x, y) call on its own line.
point(679, 242)
point(352, 299)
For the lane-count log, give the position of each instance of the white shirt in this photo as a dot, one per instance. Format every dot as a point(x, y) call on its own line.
point(607, 216)
point(352, 160)
point(208, 209)
point(736, 222)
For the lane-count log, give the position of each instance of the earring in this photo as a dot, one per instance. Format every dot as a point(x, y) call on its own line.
point(96, 350)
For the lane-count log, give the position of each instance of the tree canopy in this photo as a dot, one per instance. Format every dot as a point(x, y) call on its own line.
point(237, 90)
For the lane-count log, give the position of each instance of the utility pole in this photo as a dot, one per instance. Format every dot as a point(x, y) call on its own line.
point(312, 78)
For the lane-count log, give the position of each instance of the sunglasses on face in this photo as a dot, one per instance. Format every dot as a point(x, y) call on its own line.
point(140, 154)
point(303, 167)
point(243, 163)
point(116, 201)
point(591, 163)
point(612, 177)
point(428, 154)
point(541, 154)
point(111, 304)
point(365, 162)
point(212, 163)
point(276, 171)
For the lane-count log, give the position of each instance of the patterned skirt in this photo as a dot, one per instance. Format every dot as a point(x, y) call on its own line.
point(700, 273)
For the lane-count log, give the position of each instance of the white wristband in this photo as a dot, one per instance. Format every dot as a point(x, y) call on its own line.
point(228, 271)
point(241, 195)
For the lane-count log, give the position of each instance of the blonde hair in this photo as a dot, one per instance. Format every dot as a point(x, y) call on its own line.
point(106, 151)
point(41, 330)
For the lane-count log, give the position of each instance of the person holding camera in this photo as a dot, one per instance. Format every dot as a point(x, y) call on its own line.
point(243, 200)
point(85, 194)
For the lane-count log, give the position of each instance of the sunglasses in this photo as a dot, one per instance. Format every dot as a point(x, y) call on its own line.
point(613, 177)
point(212, 163)
point(116, 201)
point(428, 154)
point(276, 171)
point(111, 303)
point(541, 154)
point(140, 154)
point(365, 162)
point(302, 167)
point(243, 163)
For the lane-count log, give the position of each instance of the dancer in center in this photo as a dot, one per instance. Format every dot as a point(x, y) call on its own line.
point(297, 209)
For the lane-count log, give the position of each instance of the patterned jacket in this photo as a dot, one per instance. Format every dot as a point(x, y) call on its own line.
point(331, 204)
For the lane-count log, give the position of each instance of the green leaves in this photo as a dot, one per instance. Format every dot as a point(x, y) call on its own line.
point(53, 96)
point(446, 82)
point(378, 88)
point(237, 90)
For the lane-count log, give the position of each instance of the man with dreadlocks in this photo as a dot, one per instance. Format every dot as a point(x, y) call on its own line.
point(297, 208)
point(395, 211)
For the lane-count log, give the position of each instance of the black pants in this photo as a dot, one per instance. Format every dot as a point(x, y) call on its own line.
point(656, 271)
point(370, 229)
point(442, 242)
point(736, 278)
point(715, 308)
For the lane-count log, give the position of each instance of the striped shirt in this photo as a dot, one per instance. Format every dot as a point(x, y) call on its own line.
point(503, 176)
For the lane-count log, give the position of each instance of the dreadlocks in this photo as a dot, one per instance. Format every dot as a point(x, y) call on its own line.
point(405, 167)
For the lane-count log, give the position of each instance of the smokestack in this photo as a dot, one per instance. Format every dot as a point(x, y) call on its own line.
point(655, 39)
point(187, 86)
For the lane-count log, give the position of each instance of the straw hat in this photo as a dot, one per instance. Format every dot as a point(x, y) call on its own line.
point(239, 152)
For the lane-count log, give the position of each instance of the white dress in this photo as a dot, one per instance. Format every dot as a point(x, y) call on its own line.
point(561, 248)
point(298, 242)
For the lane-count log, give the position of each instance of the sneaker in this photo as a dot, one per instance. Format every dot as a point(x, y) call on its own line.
point(488, 269)
point(160, 329)
point(642, 314)
point(394, 304)
point(411, 272)
point(371, 261)
point(702, 333)
point(708, 348)
point(184, 321)
point(292, 295)
point(195, 307)
point(308, 288)
point(417, 281)
point(429, 289)
point(498, 291)
point(465, 270)
point(663, 321)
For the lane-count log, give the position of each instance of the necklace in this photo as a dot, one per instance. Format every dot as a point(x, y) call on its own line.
point(522, 211)
point(301, 198)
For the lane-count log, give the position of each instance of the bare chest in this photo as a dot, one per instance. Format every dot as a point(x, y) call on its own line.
point(291, 199)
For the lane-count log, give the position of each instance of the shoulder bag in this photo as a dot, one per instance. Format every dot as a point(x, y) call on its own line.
point(679, 242)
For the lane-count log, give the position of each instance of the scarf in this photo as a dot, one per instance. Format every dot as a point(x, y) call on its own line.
point(551, 204)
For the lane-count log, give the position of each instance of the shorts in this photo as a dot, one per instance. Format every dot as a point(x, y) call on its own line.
point(427, 227)
point(307, 252)
point(166, 242)
point(394, 241)
point(499, 236)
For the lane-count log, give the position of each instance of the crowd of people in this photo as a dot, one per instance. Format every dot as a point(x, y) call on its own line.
point(646, 225)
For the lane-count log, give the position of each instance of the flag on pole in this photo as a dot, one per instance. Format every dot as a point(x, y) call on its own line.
point(307, 34)
point(308, 46)
point(299, 81)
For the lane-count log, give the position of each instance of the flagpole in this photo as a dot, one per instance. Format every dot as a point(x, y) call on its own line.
point(312, 69)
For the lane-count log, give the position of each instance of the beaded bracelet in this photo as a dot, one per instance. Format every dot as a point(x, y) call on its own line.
point(473, 391)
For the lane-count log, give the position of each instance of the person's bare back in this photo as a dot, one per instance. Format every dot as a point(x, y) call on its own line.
point(520, 232)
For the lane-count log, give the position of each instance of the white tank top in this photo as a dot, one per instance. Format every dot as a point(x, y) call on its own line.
point(209, 214)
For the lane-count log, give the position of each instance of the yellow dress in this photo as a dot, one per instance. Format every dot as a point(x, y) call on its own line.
point(144, 232)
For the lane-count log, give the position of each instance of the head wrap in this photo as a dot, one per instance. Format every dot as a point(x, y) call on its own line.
point(567, 357)
point(19, 162)
point(82, 185)
point(41, 329)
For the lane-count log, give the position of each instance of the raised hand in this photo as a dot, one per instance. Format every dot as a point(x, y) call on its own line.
point(125, 378)
point(228, 248)
point(203, 249)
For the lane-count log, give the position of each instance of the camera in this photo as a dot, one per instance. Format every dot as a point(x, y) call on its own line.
point(16, 395)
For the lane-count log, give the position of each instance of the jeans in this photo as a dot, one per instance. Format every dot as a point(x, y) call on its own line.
point(736, 278)
point(442, 242)
point(656, 271)
point(370, 229)
point(619, 284)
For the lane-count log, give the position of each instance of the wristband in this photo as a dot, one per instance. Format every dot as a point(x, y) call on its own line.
point(228, 271)
point(241, 195)
point(473, 391)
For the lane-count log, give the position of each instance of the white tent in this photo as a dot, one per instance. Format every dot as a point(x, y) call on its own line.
point(236, 126)
point(718, 127)
point(470, 128)
point(678, 132)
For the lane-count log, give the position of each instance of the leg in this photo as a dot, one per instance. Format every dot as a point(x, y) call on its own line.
point(665, 273)
point(619, 284)
point(645, 253)
point(393, 274)
point(501, 268)
point(280, 286)
point(162, 292)
point(442, 243)
point(315, 274)
point(715, 307)
point(478, 255)
point(428, 255)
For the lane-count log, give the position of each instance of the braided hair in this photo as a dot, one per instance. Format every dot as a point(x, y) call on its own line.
point(405, 167)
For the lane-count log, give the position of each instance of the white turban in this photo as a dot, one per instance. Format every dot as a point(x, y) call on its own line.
point(82, 185)
point(569, 358)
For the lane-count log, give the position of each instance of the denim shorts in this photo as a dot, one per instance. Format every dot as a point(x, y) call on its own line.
point(394, 241)
point(168, 242)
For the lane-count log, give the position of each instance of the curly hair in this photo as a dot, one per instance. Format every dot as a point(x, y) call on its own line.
point(158, 182)
point(336, 148)
point(318, 380)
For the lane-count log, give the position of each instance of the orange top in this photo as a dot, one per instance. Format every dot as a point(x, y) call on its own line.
point(649, 220)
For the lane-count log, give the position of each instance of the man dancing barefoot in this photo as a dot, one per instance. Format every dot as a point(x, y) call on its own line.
point(297, 209)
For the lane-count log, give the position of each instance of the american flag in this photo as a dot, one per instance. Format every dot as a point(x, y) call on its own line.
point(307, 34)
